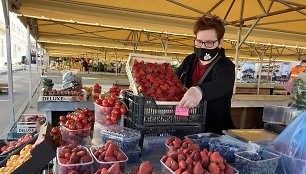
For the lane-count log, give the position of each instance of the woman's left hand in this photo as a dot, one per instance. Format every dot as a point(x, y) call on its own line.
point(191, 98)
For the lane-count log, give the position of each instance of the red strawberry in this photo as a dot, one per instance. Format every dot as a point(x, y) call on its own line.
point(169, 161)
point(214, 168)
point(216, 157)
point(174, 166)
point(189, 161)
point(205, 151)
point(186, 172)
point(205, 161)
point(173, 154)
point(116, 152)
point(178, 171)
point(145, 167)
point(180, 157)
point(114, 169)
point(188, 140)
point(109, 153)
point(198, 169)
point(120, 157)
point(113, 146)
point(222, 167)
point(110, 159)
point(197, 156)
point(183, 165)
point(104, 171)
point(189, 168)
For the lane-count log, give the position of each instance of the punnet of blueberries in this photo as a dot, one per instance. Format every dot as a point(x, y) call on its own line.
point(226, 148)
point(127, 139)
point(202, 139)
point(256, 162)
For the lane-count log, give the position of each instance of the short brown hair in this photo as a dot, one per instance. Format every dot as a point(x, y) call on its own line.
point(207, 23)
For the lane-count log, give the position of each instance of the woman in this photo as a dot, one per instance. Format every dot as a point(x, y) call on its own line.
point(217, 87)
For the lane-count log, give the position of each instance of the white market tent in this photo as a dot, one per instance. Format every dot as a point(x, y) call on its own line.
point(256, 30)
point(75, 27)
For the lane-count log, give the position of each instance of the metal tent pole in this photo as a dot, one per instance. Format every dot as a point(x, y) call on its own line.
point(116, 62)
point(36, 54)
point(260, 68)
point(29, 61)
point(9, 62)
point(273, 64)
point(238, 46)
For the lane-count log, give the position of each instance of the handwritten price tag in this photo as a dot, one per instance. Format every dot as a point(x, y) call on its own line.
point(181, 111)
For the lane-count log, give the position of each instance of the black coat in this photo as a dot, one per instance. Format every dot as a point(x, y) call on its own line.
point(217, 89)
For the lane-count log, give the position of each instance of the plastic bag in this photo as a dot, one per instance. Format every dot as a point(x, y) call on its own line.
point(68, 77)
point(291, 146)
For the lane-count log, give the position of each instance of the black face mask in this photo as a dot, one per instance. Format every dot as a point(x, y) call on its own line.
point(206, 54)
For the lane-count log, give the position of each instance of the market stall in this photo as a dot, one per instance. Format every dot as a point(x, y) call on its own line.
point(149, 123)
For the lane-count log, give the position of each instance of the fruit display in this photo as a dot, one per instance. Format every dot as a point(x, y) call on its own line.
point(76, 127)
point(256, 162)
point(177, 143)
point(66, 92)
point(16, 160)
point(157, 81)
point(127, 139)
point(134, 155)
point(114, 169)
point(144, 168)
point(14, 144)
point(114, 89)
point(194, 161)
point(74, 159)
point(108, 154)
point(109, 109)
point(202, 139)
point(97, 88)
point(227, 148)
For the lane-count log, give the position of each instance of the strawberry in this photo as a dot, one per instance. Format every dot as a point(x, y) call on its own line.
point(205, 161)
point(178, 171)
point(180, 157)
point(222, 166)
point(110, 159)
point(214, 168)
point(145, 167)
point(104, 171)
point(114, 169)
point(174, 166)
point(109, 153)
point(216, 157)
point(198, 169)
point(183, 165)
point(120, 157)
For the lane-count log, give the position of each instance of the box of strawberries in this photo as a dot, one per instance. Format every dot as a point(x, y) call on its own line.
point(156, 90)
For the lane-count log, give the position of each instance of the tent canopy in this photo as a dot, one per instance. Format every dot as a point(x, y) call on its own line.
point(89, 27)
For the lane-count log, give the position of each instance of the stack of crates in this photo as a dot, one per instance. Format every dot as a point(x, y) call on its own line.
point(157, 118)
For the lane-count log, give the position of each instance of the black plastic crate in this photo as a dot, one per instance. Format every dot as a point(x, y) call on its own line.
point(157, 130)
point(143, 111)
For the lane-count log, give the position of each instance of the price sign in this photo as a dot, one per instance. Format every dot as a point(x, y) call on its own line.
point(181, 111)
point(26, 128)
